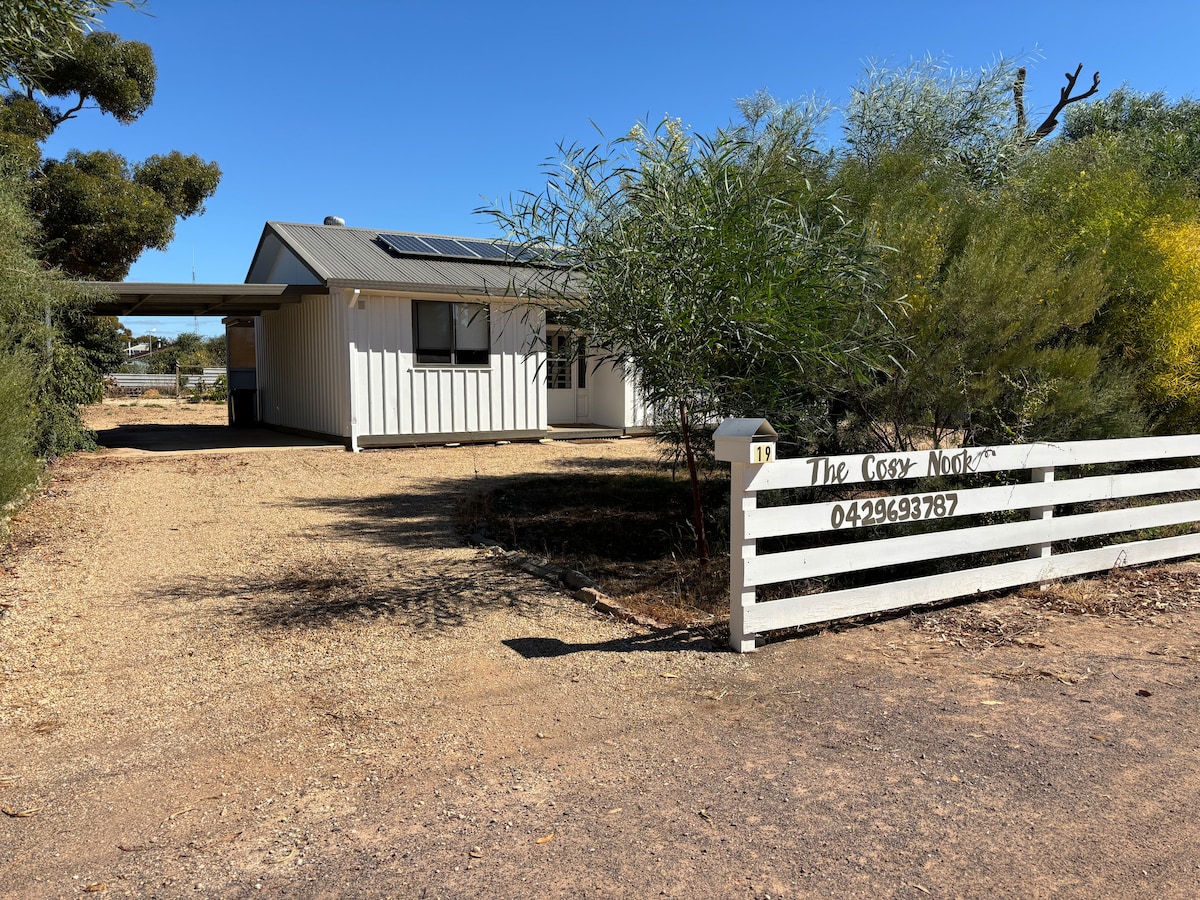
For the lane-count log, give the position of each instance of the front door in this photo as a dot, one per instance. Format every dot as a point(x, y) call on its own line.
point(566, 377)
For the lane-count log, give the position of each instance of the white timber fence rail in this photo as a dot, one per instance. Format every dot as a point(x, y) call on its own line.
point(749, 445)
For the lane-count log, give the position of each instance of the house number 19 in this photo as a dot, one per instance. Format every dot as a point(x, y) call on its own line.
point(762, 453)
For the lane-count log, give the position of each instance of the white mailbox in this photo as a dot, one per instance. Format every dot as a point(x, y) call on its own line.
point(745, 441)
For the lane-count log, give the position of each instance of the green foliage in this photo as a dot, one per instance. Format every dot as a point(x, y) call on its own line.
point(219, 392)
point(95, 218)
point(52, 353)
point(35, 31)
point(118, 76)
point(998, 315)
point(18, 467)
point(1112, 190)
point(24, 124)
point(215, 351)
point(1162, 330)
point(1052, 288)
point(712, 266)
point(1162, 137)
point(98, 213)
point(183, 182)
point(942, 115)
point(190, 351)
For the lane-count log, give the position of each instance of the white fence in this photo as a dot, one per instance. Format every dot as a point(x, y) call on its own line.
point(136, 384)
point(872, 505)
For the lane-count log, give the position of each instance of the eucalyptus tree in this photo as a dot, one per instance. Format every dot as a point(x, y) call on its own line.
point(98, 212)
point(716, 270)
point(35, 31)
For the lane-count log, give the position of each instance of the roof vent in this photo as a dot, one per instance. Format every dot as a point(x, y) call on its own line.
point(335, 220)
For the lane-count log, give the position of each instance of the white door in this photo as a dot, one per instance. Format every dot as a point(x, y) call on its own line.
point(566, 378)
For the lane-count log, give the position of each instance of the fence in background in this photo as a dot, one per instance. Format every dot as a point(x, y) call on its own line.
point(878, 503)
point(137, 384)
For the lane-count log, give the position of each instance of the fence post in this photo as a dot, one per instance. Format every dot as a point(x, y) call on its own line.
point(747, 445)
point(1042, 549)
point(741, 501)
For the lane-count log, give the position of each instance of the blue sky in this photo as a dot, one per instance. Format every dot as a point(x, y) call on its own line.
point(409, 116)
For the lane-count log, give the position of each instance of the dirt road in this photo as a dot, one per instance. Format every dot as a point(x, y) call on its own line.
point(281, 673)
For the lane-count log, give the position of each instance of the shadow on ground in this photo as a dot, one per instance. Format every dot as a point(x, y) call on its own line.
point(627, 528)
point(311, 596)
point(169, 438)
point(655, 642)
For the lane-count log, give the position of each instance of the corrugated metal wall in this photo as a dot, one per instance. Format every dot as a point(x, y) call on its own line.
point(395, 396)
point(303, 368)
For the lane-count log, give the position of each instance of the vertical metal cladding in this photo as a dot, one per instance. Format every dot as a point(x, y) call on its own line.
point(395, 395)
point(303, 375)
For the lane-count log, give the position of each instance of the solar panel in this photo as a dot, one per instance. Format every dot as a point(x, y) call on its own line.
point(448, 247)
point(536, 254)
point(469, 249)
point(486, 250)
point(406, 243)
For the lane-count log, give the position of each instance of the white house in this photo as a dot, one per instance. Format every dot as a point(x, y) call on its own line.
point(379, 338)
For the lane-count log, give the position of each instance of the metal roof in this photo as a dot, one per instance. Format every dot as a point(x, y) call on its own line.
point(336, 256)
point(339, 255)
point(129, 298)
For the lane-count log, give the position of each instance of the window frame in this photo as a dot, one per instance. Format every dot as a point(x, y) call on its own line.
point(473, 358)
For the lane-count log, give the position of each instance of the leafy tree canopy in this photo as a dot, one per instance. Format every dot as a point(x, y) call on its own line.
point(118, 76)
point(98, 212)
point(34, 31)
point(716, 268)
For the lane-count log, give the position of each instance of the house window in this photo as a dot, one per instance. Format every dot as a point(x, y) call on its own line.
point(452, 333)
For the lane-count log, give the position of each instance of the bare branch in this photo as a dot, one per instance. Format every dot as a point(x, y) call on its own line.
point(1064, 98)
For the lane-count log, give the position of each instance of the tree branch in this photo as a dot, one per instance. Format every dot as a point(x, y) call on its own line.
point(69, 114)
point(1064, 98)
point(1019, 101)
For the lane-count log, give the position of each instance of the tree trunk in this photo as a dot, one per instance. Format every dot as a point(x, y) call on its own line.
point(697, 506)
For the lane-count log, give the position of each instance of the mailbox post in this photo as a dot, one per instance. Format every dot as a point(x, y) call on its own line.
point(747, 444)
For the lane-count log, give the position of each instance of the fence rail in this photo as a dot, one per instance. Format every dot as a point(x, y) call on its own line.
point(880, 504)
point(136, 383)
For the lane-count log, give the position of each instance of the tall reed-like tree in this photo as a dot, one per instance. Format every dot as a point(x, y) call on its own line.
point(716, 270)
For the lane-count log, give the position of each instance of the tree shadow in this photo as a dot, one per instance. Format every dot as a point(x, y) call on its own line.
point(312, 597)
point(570, 502)
point(414, 519)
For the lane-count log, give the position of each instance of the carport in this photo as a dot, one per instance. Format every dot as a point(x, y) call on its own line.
point(237, 304)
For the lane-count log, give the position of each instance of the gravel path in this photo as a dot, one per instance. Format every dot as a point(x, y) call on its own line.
point(280, 672)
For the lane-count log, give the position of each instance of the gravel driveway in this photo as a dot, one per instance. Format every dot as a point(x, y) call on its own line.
point(281, 673)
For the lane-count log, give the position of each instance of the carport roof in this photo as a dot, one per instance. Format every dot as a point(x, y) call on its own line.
point(128, 298)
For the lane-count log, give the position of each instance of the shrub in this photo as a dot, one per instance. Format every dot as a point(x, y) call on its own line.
point(18, 468)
